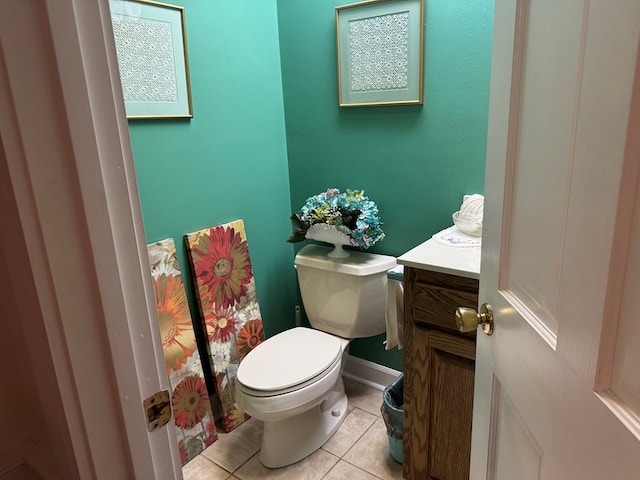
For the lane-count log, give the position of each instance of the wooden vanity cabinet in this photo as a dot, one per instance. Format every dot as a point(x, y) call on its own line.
point(439, 366)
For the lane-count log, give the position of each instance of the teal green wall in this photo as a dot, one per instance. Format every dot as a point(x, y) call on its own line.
point(230, 160)
point(256, 63)
point(415, 162)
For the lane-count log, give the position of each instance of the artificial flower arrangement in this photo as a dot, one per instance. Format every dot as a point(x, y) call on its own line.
point(349, 215)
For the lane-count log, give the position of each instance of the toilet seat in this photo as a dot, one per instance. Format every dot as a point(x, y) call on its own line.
point(288, 361)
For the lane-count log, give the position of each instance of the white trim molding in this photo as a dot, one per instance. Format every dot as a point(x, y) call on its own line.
point(369, 373)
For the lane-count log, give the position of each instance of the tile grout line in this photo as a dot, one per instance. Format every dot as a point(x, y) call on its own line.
point(361, 435)
point(361, 469)
point(334, 465)
point(341, 458)
point(244, 463)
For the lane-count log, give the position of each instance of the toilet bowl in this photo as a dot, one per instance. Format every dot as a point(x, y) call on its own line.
point(293, 383)
point(293, 380)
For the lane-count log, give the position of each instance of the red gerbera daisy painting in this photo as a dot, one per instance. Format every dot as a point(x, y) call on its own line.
point(190, 402)
point(211, 433)
point(221, 325)
point(221, 261)
point(249, 337)
point(183, 452)
point(189, 448)
point(228, 304)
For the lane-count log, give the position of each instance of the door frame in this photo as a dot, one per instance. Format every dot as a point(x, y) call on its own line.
point(65, 144)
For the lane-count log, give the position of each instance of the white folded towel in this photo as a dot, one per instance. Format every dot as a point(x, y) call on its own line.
point(395, 311)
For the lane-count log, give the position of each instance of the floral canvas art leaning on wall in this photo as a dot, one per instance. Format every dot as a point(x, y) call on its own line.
point(348, 218)
point(195, 427)
point(230, 315)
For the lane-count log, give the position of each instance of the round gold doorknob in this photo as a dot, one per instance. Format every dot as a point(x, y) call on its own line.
point(467, 319)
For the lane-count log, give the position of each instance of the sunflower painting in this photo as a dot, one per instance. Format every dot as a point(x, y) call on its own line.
point(231, 320)
point(195, 427)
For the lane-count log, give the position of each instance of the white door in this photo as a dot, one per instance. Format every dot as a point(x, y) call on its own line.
point(557, 385)
point(73, 206)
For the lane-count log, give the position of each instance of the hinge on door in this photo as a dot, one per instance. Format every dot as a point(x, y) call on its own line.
point(158, 410)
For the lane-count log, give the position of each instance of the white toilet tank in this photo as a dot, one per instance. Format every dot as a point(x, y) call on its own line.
point(344, 296)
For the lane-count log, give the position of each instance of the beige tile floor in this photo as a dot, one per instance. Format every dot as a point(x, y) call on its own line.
point(359, 450)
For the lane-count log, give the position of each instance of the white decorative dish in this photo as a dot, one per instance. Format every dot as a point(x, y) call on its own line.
point(328, 233)
point(468, 225)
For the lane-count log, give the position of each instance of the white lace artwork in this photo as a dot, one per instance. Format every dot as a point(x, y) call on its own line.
point(146, 60)
point(379, 52)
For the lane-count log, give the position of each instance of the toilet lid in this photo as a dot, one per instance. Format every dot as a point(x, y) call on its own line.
point(289, 359)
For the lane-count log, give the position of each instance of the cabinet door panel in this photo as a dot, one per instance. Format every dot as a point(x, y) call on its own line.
point(438, 400)
point(451, 368)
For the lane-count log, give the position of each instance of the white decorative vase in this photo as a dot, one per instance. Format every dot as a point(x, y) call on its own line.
point(328, 233)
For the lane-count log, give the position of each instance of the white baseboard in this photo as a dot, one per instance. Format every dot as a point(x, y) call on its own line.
point(369, 373)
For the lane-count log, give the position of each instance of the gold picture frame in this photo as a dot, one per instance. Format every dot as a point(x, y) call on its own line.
point(380, 45)
point(151, 47)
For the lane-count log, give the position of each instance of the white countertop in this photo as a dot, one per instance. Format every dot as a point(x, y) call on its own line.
point(454, 260)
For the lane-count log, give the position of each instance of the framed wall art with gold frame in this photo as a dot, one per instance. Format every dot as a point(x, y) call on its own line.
point(380, 52)
point(152, 57)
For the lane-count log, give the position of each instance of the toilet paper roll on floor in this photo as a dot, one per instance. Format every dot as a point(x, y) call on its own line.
point(395, 309)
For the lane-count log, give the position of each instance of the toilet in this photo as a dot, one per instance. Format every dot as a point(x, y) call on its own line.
point(293, 380)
